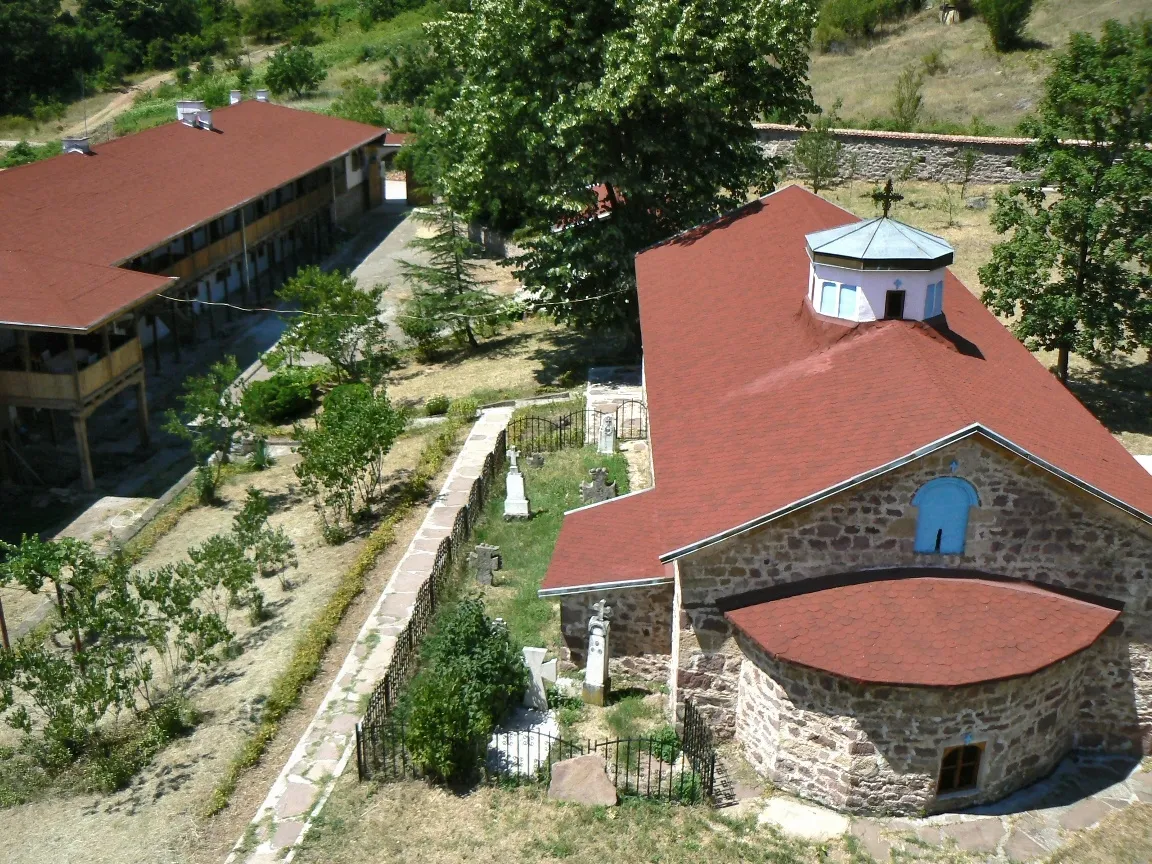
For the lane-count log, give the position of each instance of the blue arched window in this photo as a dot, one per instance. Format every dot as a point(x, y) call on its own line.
point(942, 523)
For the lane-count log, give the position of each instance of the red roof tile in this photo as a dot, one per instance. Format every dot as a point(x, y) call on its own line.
point(615, 541)
point(754, 405)
point(928, 631)
point(136, 192)
point(70, 294)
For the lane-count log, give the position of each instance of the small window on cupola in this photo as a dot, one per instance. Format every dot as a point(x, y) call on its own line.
point(942, 521)
point(934, 300)
point(828, 298)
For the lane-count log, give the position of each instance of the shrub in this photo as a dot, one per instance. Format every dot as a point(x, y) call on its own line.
point(665, 744)
point(437, 405)
point(286, 396)
point(850, 20)
point(1005, 20)
point(907, 100)
point(472, 674)
point(933, 61)
point(421, 329)
point(294, 68)
point(817, 153)
point(463, 409)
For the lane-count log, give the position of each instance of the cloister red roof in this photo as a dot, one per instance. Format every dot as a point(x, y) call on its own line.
point(134, 193)
point(952, 631)
point(755, 405)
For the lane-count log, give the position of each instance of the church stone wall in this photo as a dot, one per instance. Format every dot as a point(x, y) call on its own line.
point(877, 749)
point(1029, 525)
point(641, 636)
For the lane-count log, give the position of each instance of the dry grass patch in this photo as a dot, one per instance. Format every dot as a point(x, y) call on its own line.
point(1125, 837)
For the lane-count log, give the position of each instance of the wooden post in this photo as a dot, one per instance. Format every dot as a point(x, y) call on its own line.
point(75, 366)
point(155, 339)
point(25, 351)
point(80, 427)
point(106, 340)
point(4, 628)
point(142, 413)
point(175, 331)
point(244, 251)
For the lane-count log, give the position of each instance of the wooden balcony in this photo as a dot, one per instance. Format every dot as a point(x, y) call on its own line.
point(74, 391)
point(229, 247)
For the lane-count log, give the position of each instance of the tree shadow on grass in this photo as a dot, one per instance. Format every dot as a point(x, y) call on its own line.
point(1118, 393)
point(565, 362)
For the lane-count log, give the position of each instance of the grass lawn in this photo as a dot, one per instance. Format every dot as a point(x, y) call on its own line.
point(975, 81)
point(526, 545)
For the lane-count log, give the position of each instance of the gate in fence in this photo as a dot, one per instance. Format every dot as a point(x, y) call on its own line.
point(546, 434)
point(682, 770)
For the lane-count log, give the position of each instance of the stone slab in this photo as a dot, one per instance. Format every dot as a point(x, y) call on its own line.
point(582, 780)
point(806, 821)
point(1020, 847)
point(871, 837)
point(979, 835)
point(297, 799)
point(1084, 814)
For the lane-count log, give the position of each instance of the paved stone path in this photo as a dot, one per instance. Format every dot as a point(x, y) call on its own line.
point(329, 742)
point(1026, 826)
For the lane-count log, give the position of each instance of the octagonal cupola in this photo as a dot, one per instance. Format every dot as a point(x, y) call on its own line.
point(877, 269)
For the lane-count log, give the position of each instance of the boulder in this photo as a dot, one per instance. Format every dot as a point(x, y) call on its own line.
point(583, 780)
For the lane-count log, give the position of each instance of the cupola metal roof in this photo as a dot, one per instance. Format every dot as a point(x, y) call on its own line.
point(879, 244)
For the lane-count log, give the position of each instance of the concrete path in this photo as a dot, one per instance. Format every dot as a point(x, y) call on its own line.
point(1026, 826)
point(329, 742)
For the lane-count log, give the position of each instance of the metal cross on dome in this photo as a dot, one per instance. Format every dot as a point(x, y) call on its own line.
point(886, 197)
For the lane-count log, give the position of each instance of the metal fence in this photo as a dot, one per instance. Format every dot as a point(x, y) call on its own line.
point(681, 770)
point(546, 434)
point(369, 749)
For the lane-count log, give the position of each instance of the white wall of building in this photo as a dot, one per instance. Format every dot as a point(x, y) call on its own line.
point(872, 287)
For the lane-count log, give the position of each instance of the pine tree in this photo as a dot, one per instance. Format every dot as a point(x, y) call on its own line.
point(447, 293)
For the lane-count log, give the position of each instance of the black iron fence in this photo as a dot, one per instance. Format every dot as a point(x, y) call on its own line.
point(681, 770)
point(546, 434)
point(384, 697)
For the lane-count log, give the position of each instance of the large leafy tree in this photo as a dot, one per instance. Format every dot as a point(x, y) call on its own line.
point(294, 68)
point(42, 52)
point(1074, 275)
point(624, 121)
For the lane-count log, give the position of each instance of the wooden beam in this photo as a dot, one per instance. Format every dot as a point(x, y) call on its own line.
point(142, 413)
point(75, 366)
point(87, 477)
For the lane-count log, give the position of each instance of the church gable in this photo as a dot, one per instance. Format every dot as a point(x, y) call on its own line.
point(971, 505)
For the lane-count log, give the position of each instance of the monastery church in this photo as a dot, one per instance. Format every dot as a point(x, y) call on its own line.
point(885, 549)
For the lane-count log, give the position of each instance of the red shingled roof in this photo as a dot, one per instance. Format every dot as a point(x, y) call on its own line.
point(755, 405)
point(71, 294)
point(928, 631)
point(136, 192)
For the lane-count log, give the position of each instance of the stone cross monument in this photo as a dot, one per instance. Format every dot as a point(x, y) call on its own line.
point(485, 559)
point(597, 681)
point(606, 443)
point(515, 501)
point(599, 489)
point(539, 672)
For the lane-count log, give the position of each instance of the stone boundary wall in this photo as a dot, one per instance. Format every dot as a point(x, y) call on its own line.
point(879, 154)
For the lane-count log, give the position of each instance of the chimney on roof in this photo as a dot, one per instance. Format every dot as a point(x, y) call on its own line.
point(76, 145)
point(235, 96)
point(261, 95)
point(186, 110)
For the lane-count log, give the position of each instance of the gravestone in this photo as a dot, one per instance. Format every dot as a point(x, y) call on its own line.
point(485, 559)
point(515, 500)
point(597, 682)
point(599, 489)
point(536, 460)
point(606, 443)
point(539, 672)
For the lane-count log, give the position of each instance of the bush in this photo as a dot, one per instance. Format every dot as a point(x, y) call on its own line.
point(463, 409)
point(907, 100)
point(287, 395)
point(437, 405)
point(472, 674)
point(665, 744)
point(849, 20)
point(420, 328)
point(1005, 20)
point(294, 68)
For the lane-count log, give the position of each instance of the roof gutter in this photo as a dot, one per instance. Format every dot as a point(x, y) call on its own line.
point(650, 582)
point(959, 435)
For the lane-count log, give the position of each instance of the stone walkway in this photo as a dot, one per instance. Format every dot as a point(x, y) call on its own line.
point(1026, 826)
point(329, 742)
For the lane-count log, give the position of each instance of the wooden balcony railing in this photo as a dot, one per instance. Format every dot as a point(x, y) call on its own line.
point(231, 246)
point(49, 389)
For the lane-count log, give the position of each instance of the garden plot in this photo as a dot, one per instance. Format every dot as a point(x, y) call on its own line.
point(158, 818)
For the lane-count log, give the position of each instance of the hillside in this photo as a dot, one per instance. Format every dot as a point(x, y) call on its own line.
point(975, 81)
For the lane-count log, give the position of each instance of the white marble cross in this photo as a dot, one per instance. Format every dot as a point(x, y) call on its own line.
point(539, 672)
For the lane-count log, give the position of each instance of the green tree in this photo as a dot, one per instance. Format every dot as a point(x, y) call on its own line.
point(907, 99)
point(358, 101)
point(653, 101)
point(265, 19)
point(340, 322)
point(817, 153)
point(42, 53)
point(211, 418)
point(447, 293)
point(294, 68)
point(1006, 20)
point(1074, 275)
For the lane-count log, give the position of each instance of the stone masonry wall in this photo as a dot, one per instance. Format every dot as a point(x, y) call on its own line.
point(1029, 525)
point(878, 748)
point(641, 636)
point(878, 154)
